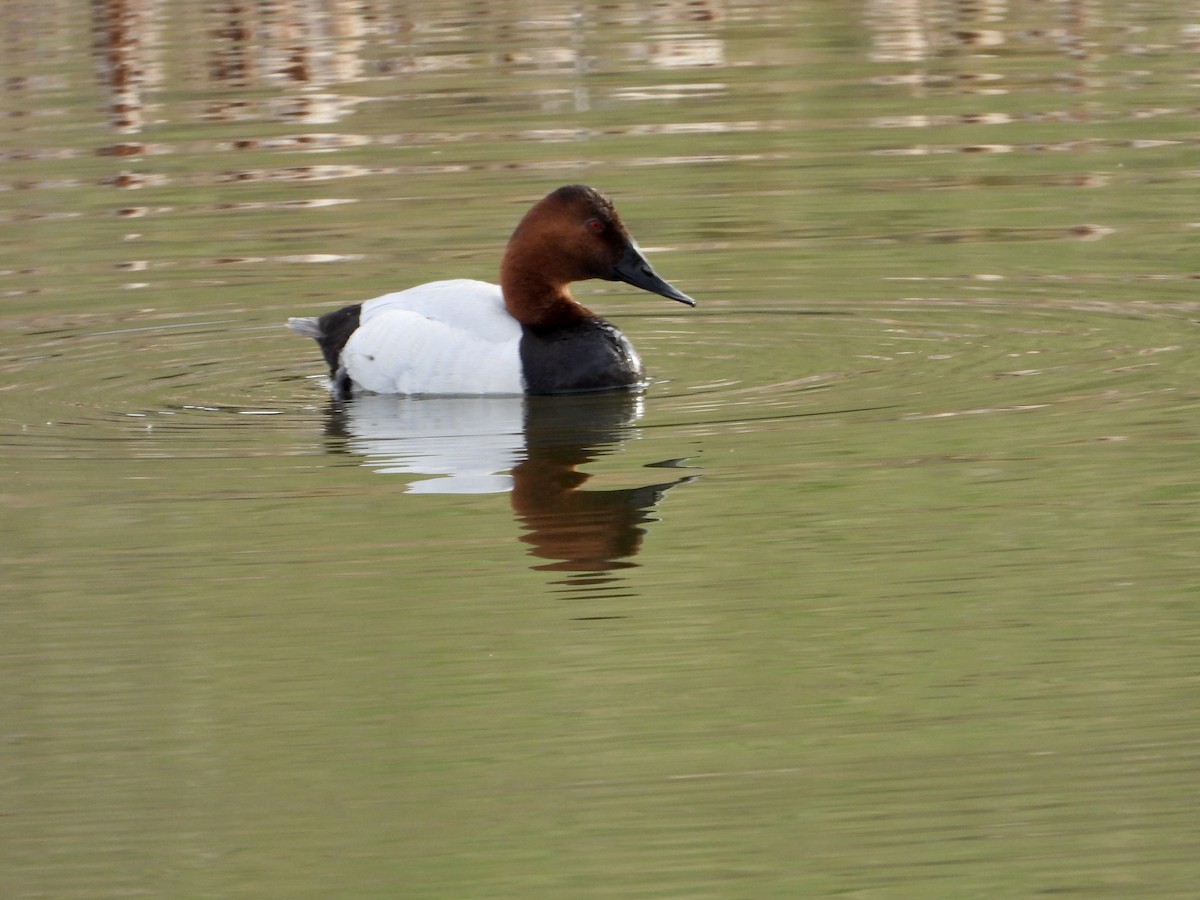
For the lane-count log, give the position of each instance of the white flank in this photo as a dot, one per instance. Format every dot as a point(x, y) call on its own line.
point(445, 337)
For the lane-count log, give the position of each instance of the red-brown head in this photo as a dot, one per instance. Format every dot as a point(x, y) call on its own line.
point(572, 234)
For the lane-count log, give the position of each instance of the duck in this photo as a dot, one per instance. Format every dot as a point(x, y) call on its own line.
point(525, 335)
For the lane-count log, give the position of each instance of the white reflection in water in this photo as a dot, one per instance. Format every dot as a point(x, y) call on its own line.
point(469, 444)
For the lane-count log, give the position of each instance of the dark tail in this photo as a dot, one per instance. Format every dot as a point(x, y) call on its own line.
point(331, 331)
point(309, 326)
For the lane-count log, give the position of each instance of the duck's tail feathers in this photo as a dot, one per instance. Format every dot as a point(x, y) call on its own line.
point(307, 326)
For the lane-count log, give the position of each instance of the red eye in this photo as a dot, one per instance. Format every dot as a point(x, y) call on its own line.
point(595, 226)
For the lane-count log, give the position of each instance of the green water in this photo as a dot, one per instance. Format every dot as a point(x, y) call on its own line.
point(886, 587)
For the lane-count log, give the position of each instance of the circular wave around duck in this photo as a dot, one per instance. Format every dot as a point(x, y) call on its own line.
point(222, 384)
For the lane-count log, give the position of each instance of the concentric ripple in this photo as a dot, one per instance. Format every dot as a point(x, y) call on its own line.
point(228, 384)
point(918, 359)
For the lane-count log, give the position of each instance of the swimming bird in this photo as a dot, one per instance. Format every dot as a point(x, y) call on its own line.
point(524, 335)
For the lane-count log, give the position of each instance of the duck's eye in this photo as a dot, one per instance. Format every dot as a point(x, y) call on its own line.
point(595, 226)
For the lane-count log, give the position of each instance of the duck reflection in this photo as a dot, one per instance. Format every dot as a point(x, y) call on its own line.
point(532, 447)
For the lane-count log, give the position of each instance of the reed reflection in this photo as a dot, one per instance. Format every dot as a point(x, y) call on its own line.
point(532, 447)
point(128, 40)
point(308, 49)
point(954, 34)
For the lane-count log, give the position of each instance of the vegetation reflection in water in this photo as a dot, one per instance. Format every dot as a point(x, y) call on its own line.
point(924, 625)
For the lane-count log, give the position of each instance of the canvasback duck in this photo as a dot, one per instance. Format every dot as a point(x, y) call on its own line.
point(525, 335)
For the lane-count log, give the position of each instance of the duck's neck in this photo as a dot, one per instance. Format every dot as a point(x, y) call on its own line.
point(539, 302)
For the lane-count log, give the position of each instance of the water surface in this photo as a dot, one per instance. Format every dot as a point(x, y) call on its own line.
point(885, 587)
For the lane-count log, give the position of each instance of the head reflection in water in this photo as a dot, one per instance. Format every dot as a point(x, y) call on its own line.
point(578, 530)
point(530, 446)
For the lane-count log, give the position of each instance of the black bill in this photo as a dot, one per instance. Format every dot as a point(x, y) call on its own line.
point(633, 269)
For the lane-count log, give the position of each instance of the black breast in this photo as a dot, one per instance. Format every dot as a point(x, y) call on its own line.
point(588, 355)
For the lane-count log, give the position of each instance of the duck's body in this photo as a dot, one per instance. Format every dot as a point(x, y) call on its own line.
point(525, 335)
point(456, 337)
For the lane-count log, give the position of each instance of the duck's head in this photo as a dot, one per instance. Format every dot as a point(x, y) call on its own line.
point(572, 234)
